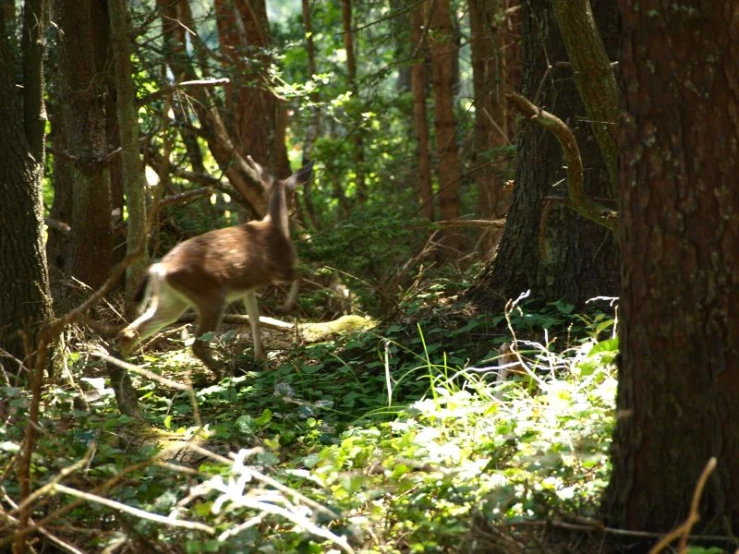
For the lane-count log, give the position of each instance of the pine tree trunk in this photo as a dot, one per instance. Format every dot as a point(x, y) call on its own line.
point(132, 167)
point(489, 74)
point(420, 117)
point(83, 48)
point(355, 106)
point(25, 303)
point(443, 55)
point(679, 206)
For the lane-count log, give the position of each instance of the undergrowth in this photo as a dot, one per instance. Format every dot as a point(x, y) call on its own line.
point(391, 440)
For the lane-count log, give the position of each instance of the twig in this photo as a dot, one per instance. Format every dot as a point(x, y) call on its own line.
point(683, 530)
point(143, 514)
point(103, 355)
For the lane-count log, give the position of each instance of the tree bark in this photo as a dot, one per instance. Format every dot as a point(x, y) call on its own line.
point(83, 48)
point(260, 117)
point(25, 303)
point(547, 248)
point(420, 118)
point(489, 77)
point(679, 200)
point(443, 54)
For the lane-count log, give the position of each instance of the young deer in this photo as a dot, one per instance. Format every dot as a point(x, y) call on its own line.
point(210, 271)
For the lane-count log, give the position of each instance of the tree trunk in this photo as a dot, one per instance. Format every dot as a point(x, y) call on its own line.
point(443, 54)
point(591, 69)
point(546, 247)
point(259, 116)
point(420, 118)
point(213, 127)
point(25, 303)
point(83, 47)
point(355, 105)
point(489, 74)
point(134, 180)
point(313, 129)
point(679, 200)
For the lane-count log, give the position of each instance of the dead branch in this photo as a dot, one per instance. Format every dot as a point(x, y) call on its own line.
point(169, 89)
point(578, 200)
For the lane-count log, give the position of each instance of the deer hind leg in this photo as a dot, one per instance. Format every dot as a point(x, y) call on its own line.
point(292, 296)
point(209, 314)
point(252, 309)
point(165, 307)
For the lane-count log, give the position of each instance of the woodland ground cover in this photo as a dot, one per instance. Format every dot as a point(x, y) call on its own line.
point(397, 439)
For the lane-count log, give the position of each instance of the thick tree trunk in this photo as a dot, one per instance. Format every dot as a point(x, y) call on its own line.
point(489, 74)
point(443, 54)
point(83, 47)
point(546, 247)
point(259, 117)
point(679, 206)
point(420, 117)
point(25, 303)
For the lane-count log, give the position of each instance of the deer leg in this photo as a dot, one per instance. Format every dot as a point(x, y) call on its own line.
point(252, 309)
point(292, 296)
point(165, 307)
point(209, 317)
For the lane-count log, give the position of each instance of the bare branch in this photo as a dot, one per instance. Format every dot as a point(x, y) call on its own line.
point(578, 199)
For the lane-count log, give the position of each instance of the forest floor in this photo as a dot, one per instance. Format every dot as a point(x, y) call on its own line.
point(355, 436)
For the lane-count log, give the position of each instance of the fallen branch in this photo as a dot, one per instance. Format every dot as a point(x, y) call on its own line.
point(456, 223)
point(237, 319)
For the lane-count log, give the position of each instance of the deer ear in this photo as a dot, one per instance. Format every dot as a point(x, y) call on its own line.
point(302, 175)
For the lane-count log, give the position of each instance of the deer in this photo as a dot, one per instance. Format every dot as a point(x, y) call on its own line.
point(208, 272)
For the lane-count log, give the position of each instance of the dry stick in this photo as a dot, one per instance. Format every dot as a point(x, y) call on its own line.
point(74, 504)
point(63, 545)
point(238, 319)
point(455, 223)
point(262, 505)
point(683, 531)
point(578, 200)
point(596, 526)
point(143, 514)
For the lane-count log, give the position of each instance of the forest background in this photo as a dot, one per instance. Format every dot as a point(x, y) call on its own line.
point(482, 169)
